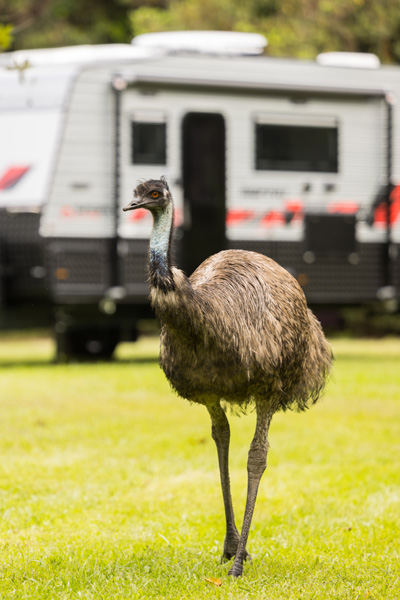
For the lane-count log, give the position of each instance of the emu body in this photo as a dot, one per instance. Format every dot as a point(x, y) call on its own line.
point(239, 331)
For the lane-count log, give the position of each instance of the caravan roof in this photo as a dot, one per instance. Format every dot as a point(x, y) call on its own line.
point(74, 55)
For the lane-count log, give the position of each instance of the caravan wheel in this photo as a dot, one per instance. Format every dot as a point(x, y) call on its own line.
point(86, 343)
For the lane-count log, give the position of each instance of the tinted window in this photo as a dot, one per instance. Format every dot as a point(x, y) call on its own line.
point(149, 143)
point(296, 148)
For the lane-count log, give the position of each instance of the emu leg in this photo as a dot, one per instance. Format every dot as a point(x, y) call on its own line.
point(221, 434)
point(256, 465)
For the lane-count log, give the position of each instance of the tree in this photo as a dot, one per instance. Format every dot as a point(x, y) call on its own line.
point(48, 23)
point(300, 28)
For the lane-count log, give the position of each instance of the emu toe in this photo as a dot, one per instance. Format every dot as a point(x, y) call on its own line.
point(236, 570)
point(231, 544)
point(226, 556)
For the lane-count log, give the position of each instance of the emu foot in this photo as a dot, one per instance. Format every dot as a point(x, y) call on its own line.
point(236, 569)
point(230, 550)
point(231, 544)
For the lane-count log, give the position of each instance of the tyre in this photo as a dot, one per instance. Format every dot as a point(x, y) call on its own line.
point(83, 343)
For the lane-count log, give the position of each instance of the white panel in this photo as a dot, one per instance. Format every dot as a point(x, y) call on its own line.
point(81, 202)
point(29, 140)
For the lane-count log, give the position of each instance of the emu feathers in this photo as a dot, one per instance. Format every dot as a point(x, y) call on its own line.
point(239, 329)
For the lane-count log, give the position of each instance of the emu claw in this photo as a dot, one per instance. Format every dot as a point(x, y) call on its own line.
point(236, 571)
point(237, 568)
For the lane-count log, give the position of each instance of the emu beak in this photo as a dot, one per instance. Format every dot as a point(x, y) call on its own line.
point(136, 203)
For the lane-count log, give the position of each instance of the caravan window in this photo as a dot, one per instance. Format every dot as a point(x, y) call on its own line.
point(149, 143)
point(296, 148)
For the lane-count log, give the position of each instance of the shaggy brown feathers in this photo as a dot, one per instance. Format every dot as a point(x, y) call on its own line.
point(239, 329)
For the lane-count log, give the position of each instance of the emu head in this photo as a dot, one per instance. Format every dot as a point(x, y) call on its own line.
point(153, 194)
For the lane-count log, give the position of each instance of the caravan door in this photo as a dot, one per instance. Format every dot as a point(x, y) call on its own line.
point(203, 168)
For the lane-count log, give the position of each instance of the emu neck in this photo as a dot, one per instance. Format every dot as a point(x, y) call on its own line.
point(160, 249)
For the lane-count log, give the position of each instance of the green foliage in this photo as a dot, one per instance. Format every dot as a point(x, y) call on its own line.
point(191, 14)
point(67, 22)
point(110, 485)
point(300, 28)
point(6, 32)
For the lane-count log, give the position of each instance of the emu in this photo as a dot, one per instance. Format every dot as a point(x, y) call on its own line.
point(236, 333)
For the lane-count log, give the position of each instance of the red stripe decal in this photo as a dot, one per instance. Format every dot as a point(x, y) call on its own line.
point(138, 214)
point(380, 215)
point(274, 217)
point(178, 217)
point(12, 176)
point(294, 206)
point(235, 216)
point(343, 208)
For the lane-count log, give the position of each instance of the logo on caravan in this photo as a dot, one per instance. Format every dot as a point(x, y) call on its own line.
point(12, 176)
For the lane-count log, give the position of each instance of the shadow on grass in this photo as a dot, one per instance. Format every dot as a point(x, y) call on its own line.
point(140, 360)
point(46, 362)
point(33, 361)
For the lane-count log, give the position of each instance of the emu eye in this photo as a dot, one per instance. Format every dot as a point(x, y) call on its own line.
point(155, 194)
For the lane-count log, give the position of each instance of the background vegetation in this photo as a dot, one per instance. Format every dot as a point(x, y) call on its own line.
point(299, 28)
point(110, 484)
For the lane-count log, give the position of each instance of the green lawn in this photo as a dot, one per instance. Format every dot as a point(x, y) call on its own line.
point(109, 485)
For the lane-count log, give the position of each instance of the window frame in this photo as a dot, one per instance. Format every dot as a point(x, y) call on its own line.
point(298, 122)
point(138, 157)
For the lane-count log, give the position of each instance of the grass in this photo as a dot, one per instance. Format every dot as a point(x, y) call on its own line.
point(110, 488)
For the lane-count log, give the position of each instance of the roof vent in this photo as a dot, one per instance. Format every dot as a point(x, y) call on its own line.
point(352, 60)
point(204, 42)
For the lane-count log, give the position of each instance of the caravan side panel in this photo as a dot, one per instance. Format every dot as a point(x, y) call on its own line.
point(79, 218)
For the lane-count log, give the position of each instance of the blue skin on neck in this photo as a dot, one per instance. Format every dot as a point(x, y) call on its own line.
point(160, 241)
